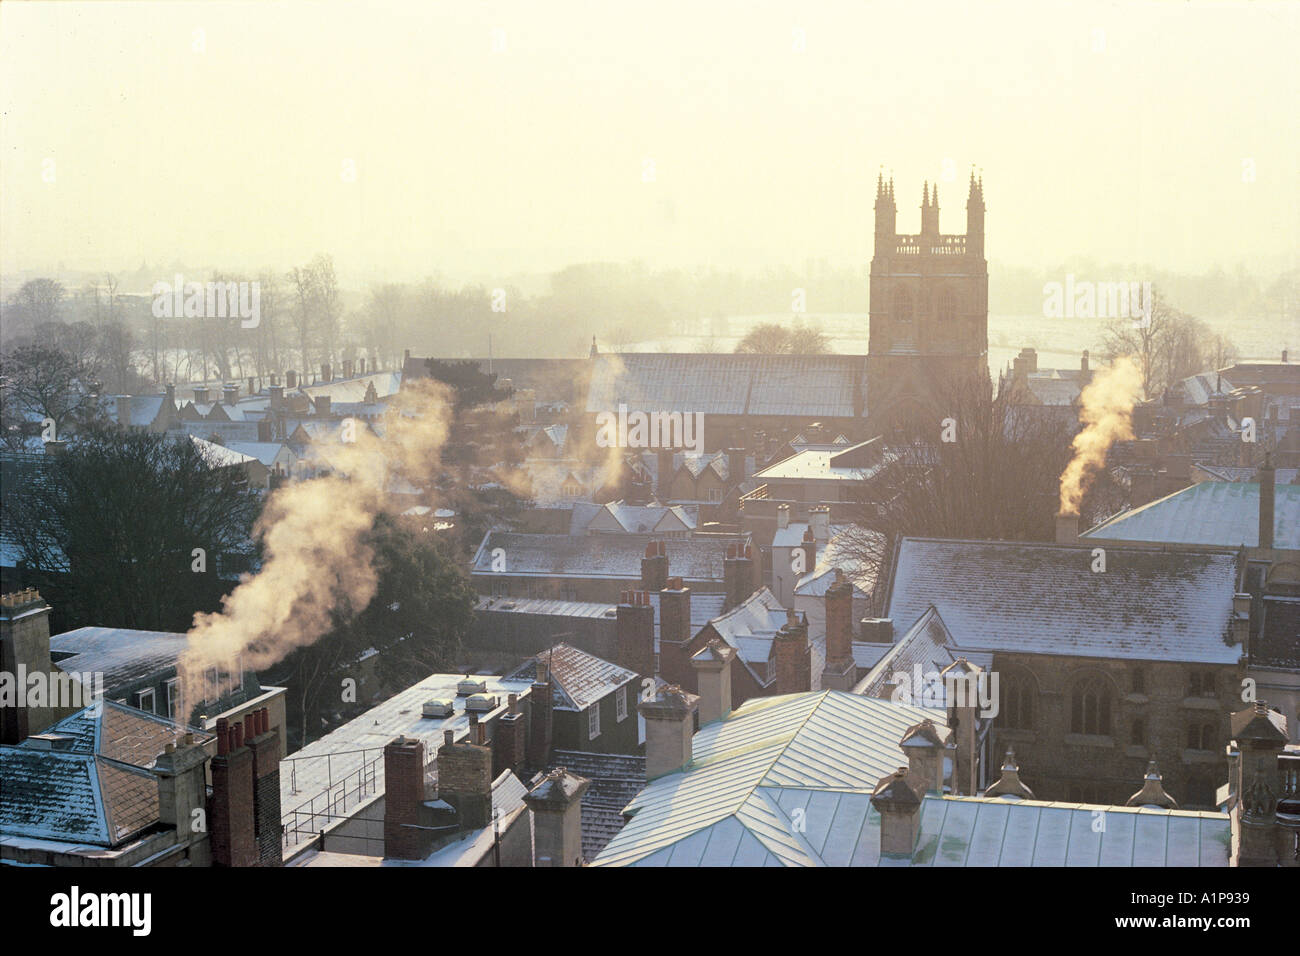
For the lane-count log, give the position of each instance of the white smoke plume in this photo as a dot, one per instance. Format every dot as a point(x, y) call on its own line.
point(1106, 411)
point(315, 564)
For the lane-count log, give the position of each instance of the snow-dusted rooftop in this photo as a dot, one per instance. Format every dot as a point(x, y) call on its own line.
point(1017, 596)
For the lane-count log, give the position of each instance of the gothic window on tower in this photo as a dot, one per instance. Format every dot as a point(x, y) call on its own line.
point(902, 317)
point(947, 309)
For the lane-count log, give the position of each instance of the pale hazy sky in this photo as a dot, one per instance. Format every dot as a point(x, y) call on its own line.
point(218, 133)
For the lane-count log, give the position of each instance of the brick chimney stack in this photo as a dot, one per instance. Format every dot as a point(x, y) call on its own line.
point(819, 521)
point(840, 673)
point(793, 656)
point(556, 803)
point(669, 729)
point(713, 679)
point(1142, 486)
point(1067, 528)
point(509, 740)
point(635, 632)
point(465, 781)
point(539, 730)
point(230, 811)
point(654, 567)
point(735, 466)
point(404, 801)
point(664, 478)
point(809, 548)
point(675, 634)
point(264, 742)
point(1266, 477)
point(737, 574)
point(782, 517)
point(230, 394)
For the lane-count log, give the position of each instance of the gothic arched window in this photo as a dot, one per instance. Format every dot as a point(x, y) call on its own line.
point(1090, 706)
point(903, 306)
point(947, 308)
point(1017, 707)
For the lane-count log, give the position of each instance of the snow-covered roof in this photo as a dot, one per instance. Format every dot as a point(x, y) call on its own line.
point(96, 787)
point(1212, 513)
point(750, 627)
point(1033, 598)
point(219, 456)
point(852, 463)
point(927, 648)
point(124, 656)
point(809, 386)
point(578, 679)
point(598, 556)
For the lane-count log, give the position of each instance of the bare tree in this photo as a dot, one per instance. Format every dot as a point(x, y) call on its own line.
point(49, 382)
point(1169, 345)
point(989, 470)
point(773, 339)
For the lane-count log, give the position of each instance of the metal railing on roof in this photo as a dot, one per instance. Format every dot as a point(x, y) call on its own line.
point(334, 801)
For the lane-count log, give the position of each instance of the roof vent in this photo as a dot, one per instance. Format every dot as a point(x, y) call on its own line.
point(438, 708)
point(481, 703)
point(470, 686)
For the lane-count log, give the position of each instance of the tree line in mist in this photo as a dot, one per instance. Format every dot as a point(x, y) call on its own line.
point(308, 319)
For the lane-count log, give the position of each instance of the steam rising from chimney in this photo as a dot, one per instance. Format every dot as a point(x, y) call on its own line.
point(316, 567)
point(1106, 411)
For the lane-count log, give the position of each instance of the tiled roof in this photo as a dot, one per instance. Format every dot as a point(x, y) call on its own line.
point(807, 386)
point(615, 780)
point(97, 789)
point(598, 556)
point(121, 733)
point(1214, 513)
point(1045, 599)
point(558, 608)
point(579, 679)
point(1284, 476)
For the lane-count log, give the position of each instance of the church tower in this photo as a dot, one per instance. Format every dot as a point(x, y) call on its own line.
point(929, 310)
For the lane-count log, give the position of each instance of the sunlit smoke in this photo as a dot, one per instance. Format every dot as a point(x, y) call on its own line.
point(316, 566)
point(1106, 411)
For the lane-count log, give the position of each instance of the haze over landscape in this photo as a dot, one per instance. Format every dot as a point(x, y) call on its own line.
point(513, 139)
